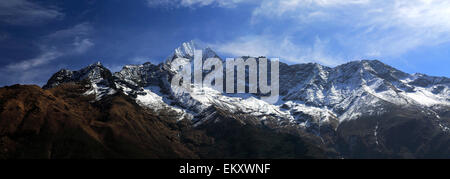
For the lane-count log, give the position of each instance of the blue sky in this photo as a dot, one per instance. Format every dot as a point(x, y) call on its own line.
point(37, 38)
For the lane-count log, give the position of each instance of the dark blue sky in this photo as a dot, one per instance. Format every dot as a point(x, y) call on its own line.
point(37, 38)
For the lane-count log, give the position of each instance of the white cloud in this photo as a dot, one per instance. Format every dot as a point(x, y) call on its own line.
point(43, 58)
point(372, 28)
point(288, 8)
point(359, 28)
point(55, 46)
point(24, 12)
point(70, 41)
point(346, 29)
point(82, 29)
point(73, 40)
point(82, 45)
point(283, 48)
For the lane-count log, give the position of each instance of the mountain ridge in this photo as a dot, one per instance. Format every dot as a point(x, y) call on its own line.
point(320, 104)
point(308, 85)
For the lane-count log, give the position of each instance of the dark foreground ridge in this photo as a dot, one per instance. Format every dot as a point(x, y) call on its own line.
point(63, 123)
point(361, 109)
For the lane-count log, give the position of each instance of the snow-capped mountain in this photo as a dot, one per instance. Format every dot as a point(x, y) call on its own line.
point(310, 93)
point(329, 102)
point(360, 88)
point(96, 77)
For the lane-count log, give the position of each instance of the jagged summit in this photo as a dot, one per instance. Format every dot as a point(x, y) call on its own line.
point(140, 75)
point(357, 100)
point(188, 49)
point(94, 73)
point(98, 78)
point(345, 92)
point(98, 63)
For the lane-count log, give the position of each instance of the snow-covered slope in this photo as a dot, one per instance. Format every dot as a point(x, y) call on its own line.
point(310, 93)
point(361, 88)
point(147, 84)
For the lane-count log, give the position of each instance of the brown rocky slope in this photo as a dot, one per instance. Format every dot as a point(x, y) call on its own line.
point(62, 123)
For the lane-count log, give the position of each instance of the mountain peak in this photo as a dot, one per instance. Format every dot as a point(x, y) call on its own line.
point(188, 49)
point(96, 64)
point(98, 77)
point(375, 66)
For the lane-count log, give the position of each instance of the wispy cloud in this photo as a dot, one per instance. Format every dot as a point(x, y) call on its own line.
point(298, 8)
point(81, 45)
point(275, 47)
point(70, 41)
point(368, 28)
point(358, 28)
point(73, 40)
point(35, 76)
point(25, 12)
point(42, 59)
point(81, 29)
point(57, 45)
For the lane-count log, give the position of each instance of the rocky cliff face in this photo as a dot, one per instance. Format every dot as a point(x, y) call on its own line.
point(353, 110)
